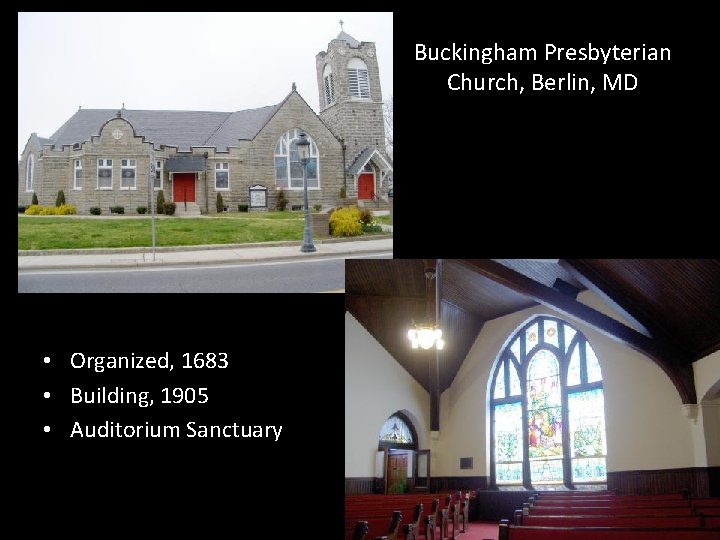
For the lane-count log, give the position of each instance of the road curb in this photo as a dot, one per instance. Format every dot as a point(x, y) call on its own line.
point(205, 247)
point(125, 264)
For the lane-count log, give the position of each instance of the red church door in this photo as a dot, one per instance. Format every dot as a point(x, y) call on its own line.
point(366, 186)
point(184, 187)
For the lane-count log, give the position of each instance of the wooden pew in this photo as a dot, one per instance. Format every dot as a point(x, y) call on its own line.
point(430, 519)
point(513, 532)
point(613, 521)
point(464, 509)
point(448, 515)
point(606, 510)
point(361, 529)
point(412, 530)
point(394, 527)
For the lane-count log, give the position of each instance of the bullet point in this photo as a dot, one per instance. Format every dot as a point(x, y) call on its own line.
point(47, 359)
point(47, 429)
point(46, 394)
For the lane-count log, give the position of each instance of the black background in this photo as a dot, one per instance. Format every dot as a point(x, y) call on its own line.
point(608, 174)
point(285, 368)
point(479, 174)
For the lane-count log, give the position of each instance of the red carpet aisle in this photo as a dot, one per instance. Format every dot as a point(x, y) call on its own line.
point(481, 530)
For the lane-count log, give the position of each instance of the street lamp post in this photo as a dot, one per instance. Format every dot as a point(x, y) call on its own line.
point(303, 147)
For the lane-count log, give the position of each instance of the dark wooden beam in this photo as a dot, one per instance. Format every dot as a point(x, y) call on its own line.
point(588, 277)
point(669, 360)
point(433, 304)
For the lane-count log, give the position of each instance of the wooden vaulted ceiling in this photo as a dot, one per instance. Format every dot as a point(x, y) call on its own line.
point(671, 306)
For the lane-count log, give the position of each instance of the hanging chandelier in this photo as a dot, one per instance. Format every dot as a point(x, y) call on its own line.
point(428, 334)
point(425, 336)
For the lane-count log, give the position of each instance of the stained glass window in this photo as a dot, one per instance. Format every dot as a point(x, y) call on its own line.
point(569, 335)
point(515, 348)
point(552, 371)
point(396, 431)
point(287, 162)
point(514, 380)
point(531, 337)
point(574, 368)
point(551, 333)
point(508, 443)
point(500, 383)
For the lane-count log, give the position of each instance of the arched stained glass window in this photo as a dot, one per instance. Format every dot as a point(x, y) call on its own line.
point(288, 167)
point(398, 431)
point(547, 379)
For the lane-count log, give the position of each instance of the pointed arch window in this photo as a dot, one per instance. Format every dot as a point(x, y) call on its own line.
point(29, 172)
point(547, 408)
point(289, 169)
point(397, 432)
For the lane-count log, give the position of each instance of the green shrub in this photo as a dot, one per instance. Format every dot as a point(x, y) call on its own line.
point(346, 222)
point(95, 211)
point(282, 200)
point(317, 207)
point(343, 193)
point(160, 205)
point(33, 210)
point(117, 209)
point(34, 199)
point(21, 209)
point(242, 207)
point(141, 209)
point(65, 210)
point(219, 205)
point(372, 227)
point(366, 216)
point(60, 199)
point(169, 208)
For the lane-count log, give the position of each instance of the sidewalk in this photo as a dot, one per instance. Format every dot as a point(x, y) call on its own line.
point(195, 255)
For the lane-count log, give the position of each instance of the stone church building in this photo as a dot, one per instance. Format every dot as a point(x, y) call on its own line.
point(106, 157)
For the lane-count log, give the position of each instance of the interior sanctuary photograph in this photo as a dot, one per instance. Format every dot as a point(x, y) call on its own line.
point(538, 399)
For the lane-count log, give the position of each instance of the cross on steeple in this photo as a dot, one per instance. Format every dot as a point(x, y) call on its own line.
point(341, 25)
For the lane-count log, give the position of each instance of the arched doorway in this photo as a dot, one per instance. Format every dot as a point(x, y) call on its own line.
point(397, 446)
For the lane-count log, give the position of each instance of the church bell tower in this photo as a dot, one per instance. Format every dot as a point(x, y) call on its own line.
point(351, 106)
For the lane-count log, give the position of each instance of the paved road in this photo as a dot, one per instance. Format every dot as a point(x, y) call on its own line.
point(307, 275)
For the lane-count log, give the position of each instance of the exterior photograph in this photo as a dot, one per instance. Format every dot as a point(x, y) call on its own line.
point(103, 157)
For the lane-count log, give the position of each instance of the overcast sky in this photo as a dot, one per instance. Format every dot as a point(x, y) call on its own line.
point(177, 61)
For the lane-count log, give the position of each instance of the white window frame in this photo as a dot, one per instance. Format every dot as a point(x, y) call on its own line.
point(158, 169)
point(29, 173)
point(328, 85)
point(222, 166)
point(130, 165)
point(104, 163)
point(282, 150)
point(358, 79)
point(77, 168)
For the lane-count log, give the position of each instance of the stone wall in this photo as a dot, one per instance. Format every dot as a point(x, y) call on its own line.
point(250, 163)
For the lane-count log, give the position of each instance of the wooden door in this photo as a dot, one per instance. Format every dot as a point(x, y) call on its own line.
point(366, 186)
point(397, 473)
point(184, 187)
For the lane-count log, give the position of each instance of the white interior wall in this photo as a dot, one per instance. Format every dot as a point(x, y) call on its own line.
point(376, 386)
point(645, 422)
point(707, 385)
point(647, 426)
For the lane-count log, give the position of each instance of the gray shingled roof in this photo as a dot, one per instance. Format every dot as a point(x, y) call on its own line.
point(171, 128)
point(350, 40)
point(363, 157)
point(42, 141)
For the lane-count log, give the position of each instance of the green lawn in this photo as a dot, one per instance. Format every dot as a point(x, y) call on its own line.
point(73, 233)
